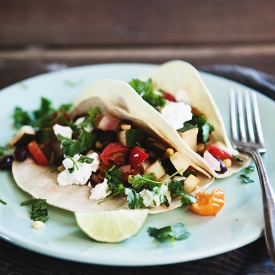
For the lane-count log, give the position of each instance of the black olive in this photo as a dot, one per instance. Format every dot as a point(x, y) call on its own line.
point(21, 153)
point(6, 162)
point(223, 167)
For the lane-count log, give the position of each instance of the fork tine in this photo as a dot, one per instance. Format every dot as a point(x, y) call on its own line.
point(249, 117)
point(233, 128)
point(258, 126)
point(241, 116)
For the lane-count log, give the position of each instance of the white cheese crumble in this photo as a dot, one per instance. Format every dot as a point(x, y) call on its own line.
point(38, 225)
point(64, 131)
point(100, 191)
point(156, 197)
point(176, 113)
point(88, 128)
point(81, 173)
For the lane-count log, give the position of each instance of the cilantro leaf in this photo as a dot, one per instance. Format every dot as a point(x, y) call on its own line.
point(134, 199)
point(176, 188)
point(146, 90)
point(145, 181)
point(3, 202)
point(246, 179)
point(39, 210)
point(205, 128)
point(20, 118)
point(115, 182)
point(249, 169)
point(169, 233)
point(187, 199)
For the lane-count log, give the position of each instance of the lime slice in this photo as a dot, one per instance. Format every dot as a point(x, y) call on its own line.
point(111, 226)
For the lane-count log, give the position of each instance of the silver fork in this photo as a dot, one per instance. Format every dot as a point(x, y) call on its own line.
point(247, 137)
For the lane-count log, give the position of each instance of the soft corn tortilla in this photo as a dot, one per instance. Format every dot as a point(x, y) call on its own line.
point(121, 101)
point(179, 75)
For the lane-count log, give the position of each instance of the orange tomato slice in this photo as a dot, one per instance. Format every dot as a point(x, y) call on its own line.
point(208, 204)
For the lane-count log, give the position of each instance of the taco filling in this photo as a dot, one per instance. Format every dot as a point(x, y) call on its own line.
point(176, 91)
point(118, 159)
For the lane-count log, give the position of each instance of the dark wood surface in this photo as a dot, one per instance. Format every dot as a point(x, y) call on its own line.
point(38, 36)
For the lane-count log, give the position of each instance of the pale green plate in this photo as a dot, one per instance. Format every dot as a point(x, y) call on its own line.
point(239, 223)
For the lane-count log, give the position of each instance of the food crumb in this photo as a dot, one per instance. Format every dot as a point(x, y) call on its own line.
point(38, 225)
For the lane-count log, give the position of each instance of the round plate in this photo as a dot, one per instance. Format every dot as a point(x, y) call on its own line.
point(239, 222)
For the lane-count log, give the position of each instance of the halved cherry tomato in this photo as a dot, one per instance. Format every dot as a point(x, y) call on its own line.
point(218, 153)
point(208, 204)
point(114, 153)
point(37, 153)
point(137, 156)
point(169, 97)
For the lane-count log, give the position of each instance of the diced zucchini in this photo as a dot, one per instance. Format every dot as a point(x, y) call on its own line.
point(131, 137)
point(176, 163)
point(190, 137)
point(156, 168)
point(24, 136)
point(191, 183)
point(159, 149)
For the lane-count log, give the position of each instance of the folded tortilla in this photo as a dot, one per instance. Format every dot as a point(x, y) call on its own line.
point(121, 101)
point(179, 75)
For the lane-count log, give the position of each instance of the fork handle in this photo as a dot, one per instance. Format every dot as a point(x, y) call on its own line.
point(268, 196)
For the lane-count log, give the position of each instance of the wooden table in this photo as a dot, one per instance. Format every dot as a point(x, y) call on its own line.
point(39, 36)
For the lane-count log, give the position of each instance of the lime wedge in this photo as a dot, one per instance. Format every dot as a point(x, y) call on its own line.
point(111, 226)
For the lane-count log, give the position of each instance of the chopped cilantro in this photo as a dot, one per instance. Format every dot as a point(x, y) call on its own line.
point(39, 211)
point(249, 169)
point(42, 117)
point(146, 90)
point(3, 202)
point(237, 159)
point(134, 199)
point(145, 181)
point(246, 179)
point(205, 128)
point(169, 233)
point(115, 182)
point(176, 188)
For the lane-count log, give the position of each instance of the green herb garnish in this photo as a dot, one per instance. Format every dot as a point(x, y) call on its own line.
point(205, 128)
point(46, 115)
point(3, 202)
point(246, 179)
point(39, 211)
point(134, 199)
point(169, 233)
point(146, 90)
point(249, 169)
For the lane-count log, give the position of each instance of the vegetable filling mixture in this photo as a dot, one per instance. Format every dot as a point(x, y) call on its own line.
point(113, 157)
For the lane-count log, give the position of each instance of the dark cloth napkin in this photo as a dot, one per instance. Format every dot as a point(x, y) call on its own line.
point(252, 259)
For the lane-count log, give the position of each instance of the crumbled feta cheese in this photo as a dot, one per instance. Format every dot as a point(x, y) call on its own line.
point(88, 128)
point(100, 191)
point(81, 173)
point(182, 96)
point(150, 199)
point(64, 131)
point(176, 113)
point(38, 225)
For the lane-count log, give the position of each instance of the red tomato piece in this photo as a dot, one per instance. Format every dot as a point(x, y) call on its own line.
point(37, 153)
point(114, 153)
point(137, 156)
point(169, 97)
point(218, 153)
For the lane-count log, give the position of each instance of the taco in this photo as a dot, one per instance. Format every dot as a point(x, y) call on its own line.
point(113, 157)
point(188, 106)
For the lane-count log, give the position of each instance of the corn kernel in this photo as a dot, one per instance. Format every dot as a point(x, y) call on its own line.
point(98, 145)
point(168, 153)
point(200, 147)
point(227, 162)
point(125, 126)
